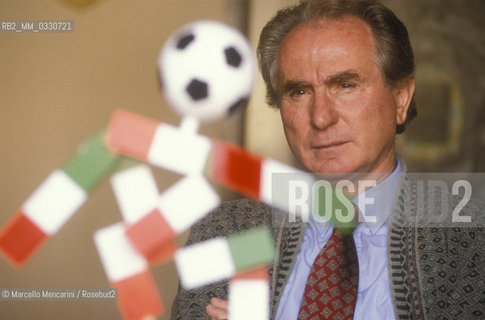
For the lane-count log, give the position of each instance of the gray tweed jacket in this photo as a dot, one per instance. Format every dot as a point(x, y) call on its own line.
point(436, 271)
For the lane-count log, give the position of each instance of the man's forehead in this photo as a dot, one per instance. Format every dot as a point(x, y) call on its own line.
point(333, 42)
point(348, 28)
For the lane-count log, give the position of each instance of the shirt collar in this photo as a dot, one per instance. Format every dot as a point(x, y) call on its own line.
point(382, 195)
point(375, 204)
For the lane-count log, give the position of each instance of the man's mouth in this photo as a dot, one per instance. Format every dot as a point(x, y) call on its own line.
point(329, 145)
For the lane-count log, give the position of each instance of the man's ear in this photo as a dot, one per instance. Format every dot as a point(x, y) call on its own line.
point(403, 96)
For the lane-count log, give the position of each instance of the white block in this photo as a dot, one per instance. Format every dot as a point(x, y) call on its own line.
point(136, 192)
point(119, 258)
point(187, 201)
point(204, 263)
point(248, 299)
point(274, 183)
point(178, 150)
point(54, 202)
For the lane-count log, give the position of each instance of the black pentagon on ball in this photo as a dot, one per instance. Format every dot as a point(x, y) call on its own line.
point(233, 58)
point(197, 90)
point(184, 41)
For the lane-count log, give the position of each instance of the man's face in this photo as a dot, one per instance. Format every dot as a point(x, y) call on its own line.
point(338, 115)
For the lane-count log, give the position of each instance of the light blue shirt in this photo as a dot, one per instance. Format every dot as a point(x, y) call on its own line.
point(374, 299)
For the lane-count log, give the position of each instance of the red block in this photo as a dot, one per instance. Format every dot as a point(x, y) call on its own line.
point(165, 254)
point(235, 168)
point(138, 296)
point(130, 134)
point(151, 234)
point(254, 273)
point(20, 238)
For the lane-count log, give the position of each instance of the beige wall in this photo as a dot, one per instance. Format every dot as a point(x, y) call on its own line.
point(57, 89)
point(263, 132)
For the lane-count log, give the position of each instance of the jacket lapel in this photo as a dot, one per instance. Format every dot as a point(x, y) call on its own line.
point(288, 237)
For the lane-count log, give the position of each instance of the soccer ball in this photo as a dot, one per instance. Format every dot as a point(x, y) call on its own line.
point(207, 70)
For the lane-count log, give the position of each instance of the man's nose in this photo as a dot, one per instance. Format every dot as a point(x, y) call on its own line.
point(323, 113)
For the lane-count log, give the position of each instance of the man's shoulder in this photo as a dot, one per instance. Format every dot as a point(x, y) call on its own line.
point(240, 212)
point(231, 217)
point(450, 220)
point(439, 205)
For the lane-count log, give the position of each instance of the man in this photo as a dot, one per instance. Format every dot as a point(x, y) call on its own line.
point(341, 74)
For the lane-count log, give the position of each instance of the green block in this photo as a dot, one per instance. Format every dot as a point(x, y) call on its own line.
point(91, 162)
point(252, 248)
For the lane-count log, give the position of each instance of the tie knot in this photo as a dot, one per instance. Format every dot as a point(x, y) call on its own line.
point(335, 208)
point(348, 223)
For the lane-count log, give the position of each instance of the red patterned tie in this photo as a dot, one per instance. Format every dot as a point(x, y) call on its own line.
point(331, 287)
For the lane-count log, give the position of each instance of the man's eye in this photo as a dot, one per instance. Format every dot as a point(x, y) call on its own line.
point(347, 85)
point(297, 92)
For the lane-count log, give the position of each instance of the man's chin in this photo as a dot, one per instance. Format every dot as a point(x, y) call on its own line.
point(333, 169)
point(337, 176)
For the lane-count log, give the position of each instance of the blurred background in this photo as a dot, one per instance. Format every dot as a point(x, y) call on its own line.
point(56, 89)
